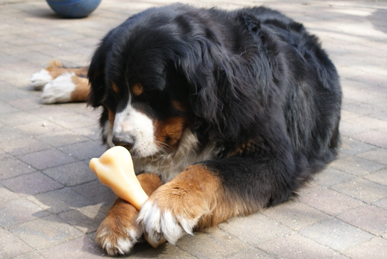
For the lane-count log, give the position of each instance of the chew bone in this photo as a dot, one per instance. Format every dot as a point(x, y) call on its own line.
point(115, 170)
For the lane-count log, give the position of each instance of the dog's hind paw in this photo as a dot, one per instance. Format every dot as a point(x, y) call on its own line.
point(40, 79)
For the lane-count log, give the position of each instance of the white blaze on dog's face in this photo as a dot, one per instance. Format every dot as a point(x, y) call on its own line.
point(134, 128)
point(145, 127)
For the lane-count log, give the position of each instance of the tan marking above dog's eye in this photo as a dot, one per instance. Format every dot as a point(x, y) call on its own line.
point(115, 88)
point(137, 89)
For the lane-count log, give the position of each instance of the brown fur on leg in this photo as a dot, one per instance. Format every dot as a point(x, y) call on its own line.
point(119, 231)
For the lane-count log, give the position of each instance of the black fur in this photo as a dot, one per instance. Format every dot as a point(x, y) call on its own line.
point(250, 78)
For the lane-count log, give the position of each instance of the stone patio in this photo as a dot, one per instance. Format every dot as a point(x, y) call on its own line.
point(51, 203)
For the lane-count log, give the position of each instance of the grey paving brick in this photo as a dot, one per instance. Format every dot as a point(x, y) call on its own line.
point(85, 150)
point(375, 249)
point(254, 229)
point(25, 146)
point(61, 138)
point(356, 165)
point(79, 248)
point(59, 200)
point(38, 128)
point(296, 246)
point(335, 234)
point(96, 193)
point(295, 215)
point(378, 177)
point(71, 174)
point(31, 184)
point(74, 121)
point(47, 158)
point(33, 255)
point(250, 253)
point(165, 251)
point(214, 244)
point(329, 201)
point(351, 146)
point(19, 211)
point(368, 218)
point(10, 246)
point(87, 219)
point(45, 232)
point(378, 155)
point(330, 177)
point(6, 195)
point(373, 137)
point(11, 167)
point(361, 189)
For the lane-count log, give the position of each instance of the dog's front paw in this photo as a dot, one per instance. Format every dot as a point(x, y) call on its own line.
point(119, 231)
point(172, 211)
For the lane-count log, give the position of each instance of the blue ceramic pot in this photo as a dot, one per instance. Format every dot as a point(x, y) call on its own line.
point(73, 8)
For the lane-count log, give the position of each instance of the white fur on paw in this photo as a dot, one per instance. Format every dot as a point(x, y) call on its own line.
point(113, 246)
point(157, 223)
point(40, 79)
point(59, 90)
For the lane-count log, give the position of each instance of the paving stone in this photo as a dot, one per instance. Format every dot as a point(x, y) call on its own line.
point(33, 255)
point(361, 189)
point(335, 234)
point(6, 195)
point(8, 135)
point(84, 150)
point(19, 211)
point(330, 177)
point(329, 201)
point(351, 146)
point(356, 165)
point(378, 177)
point(25, 146)
point(250, 253)
point(71, 174)
point(368, 218)
point(11, 167)
point(87, 219)
point(58, 201)
point(373, 137)
point(254, 229)
point(45, 232)
point(381, 203)
point(79, 248)
point(165, 251)
point(295, 215)
point(375, 249)
point(61, 138)
point(214, 244)
point(10, 246)
point(38, 128)
point(296, 246)
point(96, 193)
point(75, 121)
point(378, 155)
point(47, 158)
point(31, 184)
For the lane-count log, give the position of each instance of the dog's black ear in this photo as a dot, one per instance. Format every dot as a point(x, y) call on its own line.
point(96, 73)
point(216, 78)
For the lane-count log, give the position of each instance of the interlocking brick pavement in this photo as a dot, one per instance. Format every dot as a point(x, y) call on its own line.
point(51, 204)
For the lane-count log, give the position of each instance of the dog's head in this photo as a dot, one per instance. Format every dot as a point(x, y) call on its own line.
point(163, 71)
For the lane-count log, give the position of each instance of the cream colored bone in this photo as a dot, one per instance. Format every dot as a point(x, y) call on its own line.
point(115, 170)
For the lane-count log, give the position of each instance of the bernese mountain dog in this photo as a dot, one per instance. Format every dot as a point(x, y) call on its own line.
point(224, 113)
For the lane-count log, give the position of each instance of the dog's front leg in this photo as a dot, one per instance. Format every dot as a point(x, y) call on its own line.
point(119, 231)
point(194, 198)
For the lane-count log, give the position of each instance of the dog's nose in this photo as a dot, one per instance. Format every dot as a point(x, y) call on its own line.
point(127, 142)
